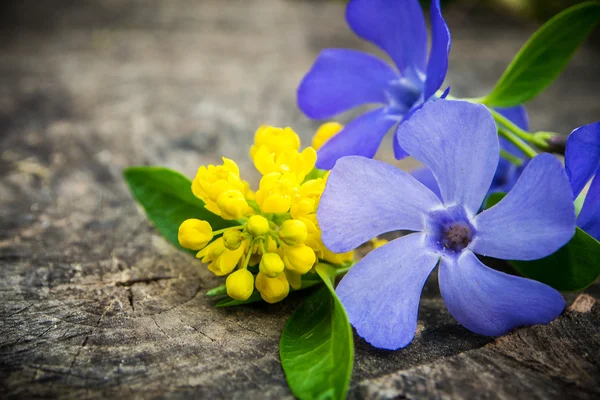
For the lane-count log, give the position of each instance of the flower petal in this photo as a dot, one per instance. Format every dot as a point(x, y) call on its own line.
point(425, 176)
point(589, 218)
point(342, 79)
point(582, 156)
point(492, 303)
point(365, 198)
point(457, 140)
point(381, 292)
point(361, 137)
point(397, 27)
point(441, 42)
point(535, 219)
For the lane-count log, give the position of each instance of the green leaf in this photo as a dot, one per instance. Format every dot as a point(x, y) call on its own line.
point(493, 199)
point(573, 267)
point(544, 55)
point(229, 302)
point(316, 347)
point(167, 198)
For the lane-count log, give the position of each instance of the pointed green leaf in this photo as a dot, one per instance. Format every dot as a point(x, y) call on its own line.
point(167, 198)
point(573, 267)
point(229, 302)
point(316, 347)
point(493, 199)
point(544, 56)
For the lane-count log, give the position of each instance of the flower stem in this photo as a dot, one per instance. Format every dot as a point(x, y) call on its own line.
point(511, 158)
point(511, 137)
point(215, 233)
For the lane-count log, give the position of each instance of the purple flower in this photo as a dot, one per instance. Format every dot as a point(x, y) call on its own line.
point(507, 173)
point(365, 198)
point(341, 79)
point(582, 162)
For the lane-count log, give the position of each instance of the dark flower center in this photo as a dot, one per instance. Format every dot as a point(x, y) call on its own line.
point(449, 231)
point(457, 236)
point(402, 94)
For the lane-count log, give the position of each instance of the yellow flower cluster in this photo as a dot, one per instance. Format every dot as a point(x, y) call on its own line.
point(277, 238)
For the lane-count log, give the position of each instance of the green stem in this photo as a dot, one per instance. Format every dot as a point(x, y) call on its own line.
point(247, 260)
point(511, 158)
point(511, 137)
point(215, 233)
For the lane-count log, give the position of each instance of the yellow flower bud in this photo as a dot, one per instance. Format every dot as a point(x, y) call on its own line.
point(294, 279)
point(227, 261)
point(271, 265)
point(194, 234)
point(324, 133)
point(293, 232)
point(240, 284)
point(257, 225)
point(232, 239)
point(232, 204)
point(272, 290)
point(276, 139)
point(336, 258)
point(211, 252)
point(299, 258)
point(275, 192)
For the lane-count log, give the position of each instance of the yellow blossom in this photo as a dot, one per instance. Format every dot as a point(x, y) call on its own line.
point(232, 205)
point(272, 290)
point(336, 258)
point(221, 261)
point(271, 264)
point(276, 192)
point(299, 258)
point(258, 225)
point(278, 230)
point(240, 284)
point(232, 238)
point(289, 161)
point(213, 180)
point(292, 232)
point(194, 234)
point(276, 139)
point(324, 133)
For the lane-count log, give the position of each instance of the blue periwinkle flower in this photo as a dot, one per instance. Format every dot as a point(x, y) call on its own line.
point(341, 79)
point(507, 173)
point(582, 162)
point(364, 198)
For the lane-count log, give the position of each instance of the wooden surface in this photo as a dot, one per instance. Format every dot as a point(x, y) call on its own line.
point(94, 304)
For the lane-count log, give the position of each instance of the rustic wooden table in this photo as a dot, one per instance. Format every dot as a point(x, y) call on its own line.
point(94, 304)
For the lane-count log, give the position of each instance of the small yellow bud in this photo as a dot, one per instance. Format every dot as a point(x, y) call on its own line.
point(194, 234)
point(294, 279)
point(299, 258)
point(240, 284)
point(232, 239)
point(232, 204)
point(272, 290)
point(324, 133)
point(293, 232)
point(271, 265)
point(258, 225)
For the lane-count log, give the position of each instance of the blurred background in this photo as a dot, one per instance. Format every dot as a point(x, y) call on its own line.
point(182, 82)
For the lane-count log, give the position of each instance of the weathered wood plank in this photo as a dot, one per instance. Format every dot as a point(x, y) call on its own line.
point(93, 303)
